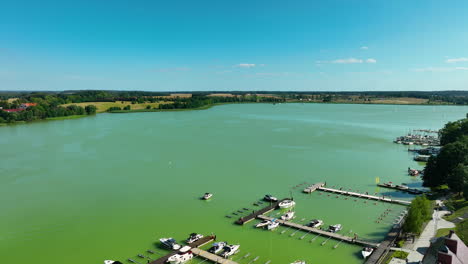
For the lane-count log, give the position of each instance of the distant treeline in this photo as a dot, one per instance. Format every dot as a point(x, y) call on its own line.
point(453, 97)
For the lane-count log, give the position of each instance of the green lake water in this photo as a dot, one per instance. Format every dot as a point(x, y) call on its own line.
point(108, 187)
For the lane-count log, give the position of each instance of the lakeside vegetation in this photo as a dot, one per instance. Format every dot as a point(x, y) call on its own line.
point(68, 103)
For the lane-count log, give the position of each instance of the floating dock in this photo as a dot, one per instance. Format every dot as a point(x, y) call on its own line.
point(354, 194)
point(255, 214)
point(321, 232)
point(400, 188)
point(196, 251)
point(211, 257)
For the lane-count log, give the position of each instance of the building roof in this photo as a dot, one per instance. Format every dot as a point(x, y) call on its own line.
point(29, 104)
point(12, 110)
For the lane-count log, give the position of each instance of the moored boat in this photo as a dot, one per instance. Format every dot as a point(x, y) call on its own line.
point(288, 216)
point(274, 224)
point(217, 247)
point(230, 250)
point(207, 196)
point(367, 251)
point(193, 237)
point(286, 204)
point(180, 258)
point(112, 262)
point(334, 228)
point(263, 223)
point(170, 243)
point(270, 198)
point(316, 223)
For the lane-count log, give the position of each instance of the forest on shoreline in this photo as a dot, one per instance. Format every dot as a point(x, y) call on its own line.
point(47, 105)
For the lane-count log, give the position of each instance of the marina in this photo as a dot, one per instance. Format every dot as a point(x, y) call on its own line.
point(141, 211)
point(320, 187)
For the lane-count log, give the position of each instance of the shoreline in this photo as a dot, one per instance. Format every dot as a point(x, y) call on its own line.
point(206, 107)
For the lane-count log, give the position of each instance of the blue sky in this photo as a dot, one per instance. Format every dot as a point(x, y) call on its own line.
point(183, 45)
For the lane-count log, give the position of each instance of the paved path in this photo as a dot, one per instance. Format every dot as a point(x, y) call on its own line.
point(423, 242)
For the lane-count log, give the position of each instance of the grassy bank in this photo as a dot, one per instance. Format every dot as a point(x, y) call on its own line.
point(65, 117)
point(459, 207)
point(103, 106)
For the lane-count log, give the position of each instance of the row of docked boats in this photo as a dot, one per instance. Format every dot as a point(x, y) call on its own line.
point(223, 249)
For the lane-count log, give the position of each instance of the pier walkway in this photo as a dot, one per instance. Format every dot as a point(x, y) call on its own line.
point(314, 187)
point(400, 188)
point(321, 232)
point(255, 214)
point(320, 187)
point(211, 257)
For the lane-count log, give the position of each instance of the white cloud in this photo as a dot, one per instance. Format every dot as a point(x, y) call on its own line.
point(455, 60)
point(245, 65)
point(440, 69)
point(364, 48)
point(347, 61)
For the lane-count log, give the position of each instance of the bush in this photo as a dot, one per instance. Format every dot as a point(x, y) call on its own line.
point(114, 108)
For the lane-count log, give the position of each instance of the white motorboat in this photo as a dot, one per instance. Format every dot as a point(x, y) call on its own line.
point(367, 251)
point(263, 223)
point(316, 223)
point(230, 250)
point(180, 258)
point(217, 247)
point(287, 204)
point(334, 228)
point(170, 243)
point(299, 262)
point(193, 237)
point(272, 225)
point(112, 262)
point(288, 216)
point(207, 196)
point(270, 198)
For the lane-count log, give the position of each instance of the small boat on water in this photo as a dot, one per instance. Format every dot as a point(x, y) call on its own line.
point(287, 204)
point(316, 223)
point(367, 251)
point(217, 247)
point(335, 228)
point(299, 262)
point(288, 216)
point(170, 243)
point(180, 258)
point(207, 196)
point(263, 223)
point(193, 237)
point(112, 262)
point(272, 225)
point(270, 198)
point(230, 250)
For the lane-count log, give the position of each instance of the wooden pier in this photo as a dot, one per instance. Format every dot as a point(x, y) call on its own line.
point(321, 232)
point(314, 187)
point(255, 214)
point(211, 257)
point(400, 188)
point(320, 187)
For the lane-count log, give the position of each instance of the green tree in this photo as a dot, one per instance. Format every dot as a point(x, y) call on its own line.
point(128, 107)
point(453, 131)
point(90, 109)
point(420, 210)
point(458, 178)
point(148, 107)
